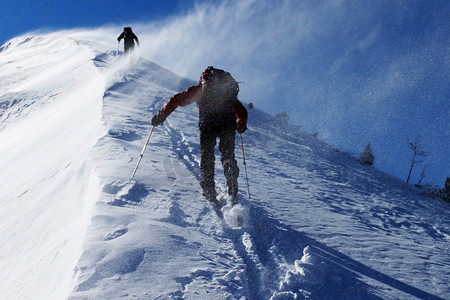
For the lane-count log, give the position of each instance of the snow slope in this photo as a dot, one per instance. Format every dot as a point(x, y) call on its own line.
point(51, 118)
point(319, 225)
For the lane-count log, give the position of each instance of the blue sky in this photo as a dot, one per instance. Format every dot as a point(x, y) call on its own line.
point(21, 16)
point(353, 71)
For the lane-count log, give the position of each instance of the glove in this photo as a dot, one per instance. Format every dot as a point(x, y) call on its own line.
point(241, 128)
point(157, 120)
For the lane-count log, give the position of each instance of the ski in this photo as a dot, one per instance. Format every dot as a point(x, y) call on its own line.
point(229, 208)
point(234, 204)
point(240, 220)
point(234, 212)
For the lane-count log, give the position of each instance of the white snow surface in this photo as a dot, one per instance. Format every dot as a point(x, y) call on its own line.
point(74, 117)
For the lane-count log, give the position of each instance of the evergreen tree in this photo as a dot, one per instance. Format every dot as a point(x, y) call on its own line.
point(447, 189)
point(367, 156)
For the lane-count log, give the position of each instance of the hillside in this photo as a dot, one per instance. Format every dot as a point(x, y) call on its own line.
point(74, 117)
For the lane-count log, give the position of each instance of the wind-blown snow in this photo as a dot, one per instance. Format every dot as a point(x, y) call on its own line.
point(73, 120)
point(51, 106)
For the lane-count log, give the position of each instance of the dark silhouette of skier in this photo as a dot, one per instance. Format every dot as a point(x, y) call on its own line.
point(129, 37)
point(220, 115)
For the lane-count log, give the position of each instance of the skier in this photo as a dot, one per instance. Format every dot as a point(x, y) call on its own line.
point(129, 37)
point(216, 98)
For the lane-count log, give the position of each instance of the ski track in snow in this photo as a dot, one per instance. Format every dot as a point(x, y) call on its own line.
point(263, 261)
point(318, 224)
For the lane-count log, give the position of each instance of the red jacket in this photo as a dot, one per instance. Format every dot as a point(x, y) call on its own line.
point(194, 94)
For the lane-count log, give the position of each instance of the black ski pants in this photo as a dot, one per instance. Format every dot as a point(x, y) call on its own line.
point(208, 140)
point(128, 46)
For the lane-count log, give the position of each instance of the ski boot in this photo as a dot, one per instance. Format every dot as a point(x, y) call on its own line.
point(211, 197)
point(231, 172)
point(233, 190)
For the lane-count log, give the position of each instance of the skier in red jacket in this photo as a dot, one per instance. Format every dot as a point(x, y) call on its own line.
point(219, 109)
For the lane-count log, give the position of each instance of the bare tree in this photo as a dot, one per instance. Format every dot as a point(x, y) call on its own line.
point(422, 177)
point(416, 147)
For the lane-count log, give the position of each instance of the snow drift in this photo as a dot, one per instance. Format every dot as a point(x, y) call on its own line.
point(74, 117)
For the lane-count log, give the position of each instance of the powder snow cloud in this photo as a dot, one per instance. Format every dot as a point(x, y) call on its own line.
point(354, 72)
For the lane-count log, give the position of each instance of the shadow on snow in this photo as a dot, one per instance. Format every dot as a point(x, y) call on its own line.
point(333, 275)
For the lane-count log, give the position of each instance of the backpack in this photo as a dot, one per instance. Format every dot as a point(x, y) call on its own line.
point(219, 88)
point(128, 34)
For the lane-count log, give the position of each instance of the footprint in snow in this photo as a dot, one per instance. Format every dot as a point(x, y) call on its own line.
point(128, 136)
point(132, 193)
point(116, 234)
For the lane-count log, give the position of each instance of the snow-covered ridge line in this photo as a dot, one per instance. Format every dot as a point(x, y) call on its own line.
point(50, 118)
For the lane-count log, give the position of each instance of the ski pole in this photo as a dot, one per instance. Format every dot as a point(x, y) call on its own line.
point(142, 152)
point(117, 51)
point(245, 165)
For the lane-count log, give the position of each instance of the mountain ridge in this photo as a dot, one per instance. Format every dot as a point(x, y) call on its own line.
point(318, 223)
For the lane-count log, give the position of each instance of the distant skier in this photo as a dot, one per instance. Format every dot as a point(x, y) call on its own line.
point(216, 97)
point(129, 37)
